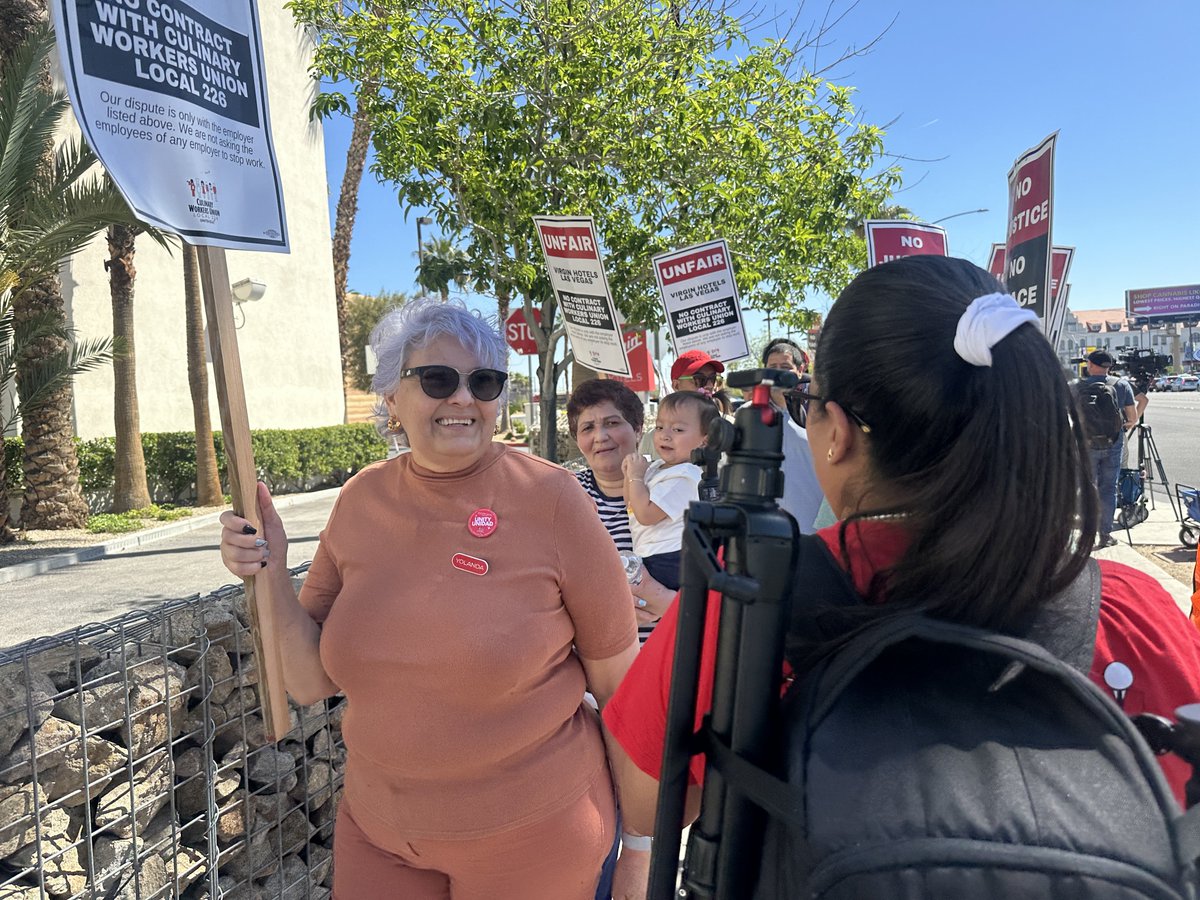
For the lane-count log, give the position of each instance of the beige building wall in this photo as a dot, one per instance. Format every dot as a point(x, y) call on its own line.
point(288, 340)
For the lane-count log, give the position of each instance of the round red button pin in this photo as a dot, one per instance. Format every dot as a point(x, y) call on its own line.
point(482, 522)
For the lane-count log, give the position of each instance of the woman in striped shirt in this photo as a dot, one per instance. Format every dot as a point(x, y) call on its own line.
point(605, 419)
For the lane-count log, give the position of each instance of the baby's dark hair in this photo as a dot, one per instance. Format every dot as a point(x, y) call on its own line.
point(703, 405)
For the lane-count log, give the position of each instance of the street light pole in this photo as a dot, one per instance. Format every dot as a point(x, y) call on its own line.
point(965, 212)
point(421, 220)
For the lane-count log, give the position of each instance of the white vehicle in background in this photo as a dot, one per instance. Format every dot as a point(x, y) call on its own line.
point(1159, 383)
point(1186, 383)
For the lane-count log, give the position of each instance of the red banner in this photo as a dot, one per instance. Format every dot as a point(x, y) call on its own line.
point(637, 349)
point(567, 242)
point(889, 239)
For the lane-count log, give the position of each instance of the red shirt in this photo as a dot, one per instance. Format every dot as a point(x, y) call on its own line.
point(1140, 627)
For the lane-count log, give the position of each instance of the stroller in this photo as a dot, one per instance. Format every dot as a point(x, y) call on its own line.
point(1131, 498)
point(1189, 502)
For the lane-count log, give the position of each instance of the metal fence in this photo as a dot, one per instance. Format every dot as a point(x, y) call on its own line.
point(134, 764)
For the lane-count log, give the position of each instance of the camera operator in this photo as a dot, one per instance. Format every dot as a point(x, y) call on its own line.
point(801, 493)
point(1108, 410)
point(943, 436)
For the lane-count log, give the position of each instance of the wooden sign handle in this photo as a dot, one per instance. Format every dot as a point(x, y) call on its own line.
point(243, 477)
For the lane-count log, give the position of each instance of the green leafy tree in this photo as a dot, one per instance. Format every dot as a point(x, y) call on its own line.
point(363, 312)
point(488, 114)
point(52, 204)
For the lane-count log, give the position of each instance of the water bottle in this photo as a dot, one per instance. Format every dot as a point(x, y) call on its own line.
point(633, 567)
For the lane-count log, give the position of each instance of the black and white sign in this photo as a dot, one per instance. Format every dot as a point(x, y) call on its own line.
point(700, 298)
point(172, 98)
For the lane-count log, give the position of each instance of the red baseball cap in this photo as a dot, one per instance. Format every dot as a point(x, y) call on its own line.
point(691, 362)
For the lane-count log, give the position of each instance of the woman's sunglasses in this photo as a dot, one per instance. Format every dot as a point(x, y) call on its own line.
point(701, 380)
point(801, 395)
point(440, 382)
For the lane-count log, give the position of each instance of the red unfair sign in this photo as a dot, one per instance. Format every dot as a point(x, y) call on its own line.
point(568, 242)
point(693, 265)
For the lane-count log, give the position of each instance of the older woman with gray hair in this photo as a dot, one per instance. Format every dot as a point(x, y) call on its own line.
point(454, 601)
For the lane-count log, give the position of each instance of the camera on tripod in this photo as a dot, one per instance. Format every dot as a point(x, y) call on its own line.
point(1142, 365)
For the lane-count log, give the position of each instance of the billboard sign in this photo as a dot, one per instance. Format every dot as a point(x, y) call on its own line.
point(1180, 302)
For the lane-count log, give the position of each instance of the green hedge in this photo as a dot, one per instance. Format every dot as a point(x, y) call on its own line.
point(299, 459)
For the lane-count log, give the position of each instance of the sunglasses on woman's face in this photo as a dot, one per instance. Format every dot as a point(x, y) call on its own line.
point(440, 382)
point(701, 380)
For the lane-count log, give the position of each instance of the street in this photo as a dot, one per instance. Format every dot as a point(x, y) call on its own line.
point(1174, 422)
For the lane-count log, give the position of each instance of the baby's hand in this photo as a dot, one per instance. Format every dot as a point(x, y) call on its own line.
point(634, 466)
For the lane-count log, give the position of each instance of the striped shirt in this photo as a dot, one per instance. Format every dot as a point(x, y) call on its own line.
point(614, 515)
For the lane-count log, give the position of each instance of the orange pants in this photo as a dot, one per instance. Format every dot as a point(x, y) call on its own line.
point(557, 858)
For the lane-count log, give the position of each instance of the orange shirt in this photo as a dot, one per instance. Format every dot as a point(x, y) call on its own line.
point(464, 692)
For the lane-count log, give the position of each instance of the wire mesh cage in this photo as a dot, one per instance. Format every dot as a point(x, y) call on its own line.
point(134, 764)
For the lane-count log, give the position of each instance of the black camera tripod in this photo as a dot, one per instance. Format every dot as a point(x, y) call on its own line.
point(1149, 461)
point(759, 544)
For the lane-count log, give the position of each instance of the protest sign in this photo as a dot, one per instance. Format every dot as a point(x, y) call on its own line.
point(700, 298)
point(1060, 269)
point(1030, 211)
point(637, 349)
point(1180, 302)
point(174, 102)
point(577, 276)
point(889, 239)
point(996, 262)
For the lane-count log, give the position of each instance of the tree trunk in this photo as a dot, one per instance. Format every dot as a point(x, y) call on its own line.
point(343, 228)
point(130, 490)
point(53, 498)
point(7, 532)
point(502, 304)
point(208, 481)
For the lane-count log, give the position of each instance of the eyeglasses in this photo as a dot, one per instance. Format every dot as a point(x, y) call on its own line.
point(805, 396)
point(440, 382)
point(701, 380)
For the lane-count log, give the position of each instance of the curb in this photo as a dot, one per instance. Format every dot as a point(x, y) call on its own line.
point(137, 539)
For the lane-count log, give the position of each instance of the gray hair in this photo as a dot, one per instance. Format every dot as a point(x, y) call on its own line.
point(416, 325)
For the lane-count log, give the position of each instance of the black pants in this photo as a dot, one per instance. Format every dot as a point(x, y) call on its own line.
point(665, 568)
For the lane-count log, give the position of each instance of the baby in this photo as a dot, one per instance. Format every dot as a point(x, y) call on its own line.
point(658, 493)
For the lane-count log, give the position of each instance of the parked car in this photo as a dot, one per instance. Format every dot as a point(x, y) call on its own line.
point(1159, 383)
point(1187, 383)
point(1169, 382)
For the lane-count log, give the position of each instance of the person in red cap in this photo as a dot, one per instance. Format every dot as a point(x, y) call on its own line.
point(695, 370)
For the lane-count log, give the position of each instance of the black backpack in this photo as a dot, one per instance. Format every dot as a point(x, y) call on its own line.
point(924, 759)
point(1101, 416)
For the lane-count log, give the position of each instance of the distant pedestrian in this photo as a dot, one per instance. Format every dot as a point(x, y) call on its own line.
point(1107, 409)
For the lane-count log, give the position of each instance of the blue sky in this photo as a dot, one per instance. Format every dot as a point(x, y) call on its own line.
point(971, 84)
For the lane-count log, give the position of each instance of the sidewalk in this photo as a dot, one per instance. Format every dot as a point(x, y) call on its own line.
point(181, 559)
point(52, 594)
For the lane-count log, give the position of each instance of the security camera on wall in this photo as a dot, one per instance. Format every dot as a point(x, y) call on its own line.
point(248, 289)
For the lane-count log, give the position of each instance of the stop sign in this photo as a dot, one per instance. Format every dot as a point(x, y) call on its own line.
point(517, 333)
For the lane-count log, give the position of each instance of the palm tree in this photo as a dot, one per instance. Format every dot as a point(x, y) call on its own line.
point(208, 482)
point(343, 226)
point(51, 206)
point(130, 489)
point(442, 264)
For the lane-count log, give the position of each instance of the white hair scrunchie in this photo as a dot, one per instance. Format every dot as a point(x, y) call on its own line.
point(985, 323)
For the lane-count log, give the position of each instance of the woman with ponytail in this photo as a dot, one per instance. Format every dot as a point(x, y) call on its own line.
point(945, 439)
